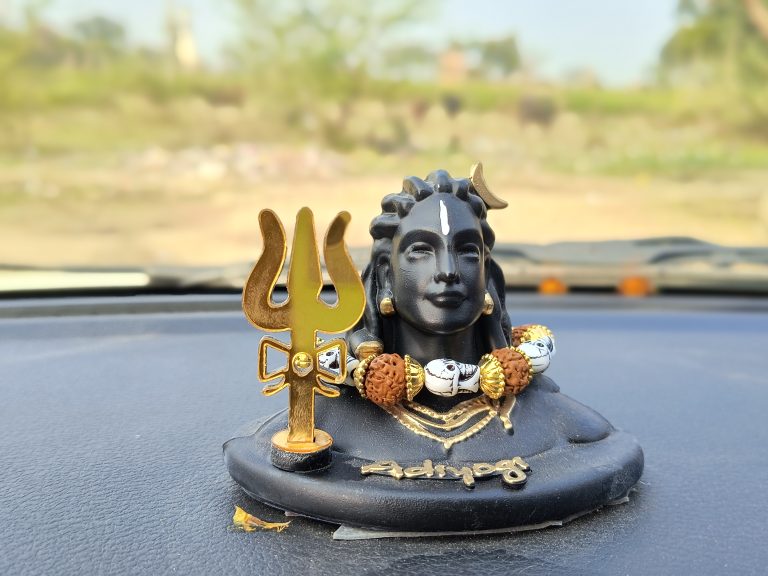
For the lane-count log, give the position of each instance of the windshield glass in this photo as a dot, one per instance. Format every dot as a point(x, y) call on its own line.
point(146, 134)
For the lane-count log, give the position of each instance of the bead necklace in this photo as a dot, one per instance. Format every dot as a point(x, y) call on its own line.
point(392, 382)
point(388, 379)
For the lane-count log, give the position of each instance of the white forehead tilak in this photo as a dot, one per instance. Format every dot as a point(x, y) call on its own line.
point(444, 226)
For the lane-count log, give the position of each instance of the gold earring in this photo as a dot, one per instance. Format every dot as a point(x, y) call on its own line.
point(387, 306)
point(487, 304)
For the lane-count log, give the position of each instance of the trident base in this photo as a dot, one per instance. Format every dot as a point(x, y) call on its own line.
point(301, 456)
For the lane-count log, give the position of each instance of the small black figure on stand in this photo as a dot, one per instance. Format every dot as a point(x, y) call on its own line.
point(444, 388)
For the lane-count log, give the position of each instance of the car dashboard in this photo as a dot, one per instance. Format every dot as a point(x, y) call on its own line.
point(114, 411)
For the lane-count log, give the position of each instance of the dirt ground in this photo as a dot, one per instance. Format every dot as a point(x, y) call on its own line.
point(148, 220)
point(152, 202)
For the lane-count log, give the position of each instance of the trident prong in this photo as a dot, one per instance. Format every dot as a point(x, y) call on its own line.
point(257, 293)
point(304, 313)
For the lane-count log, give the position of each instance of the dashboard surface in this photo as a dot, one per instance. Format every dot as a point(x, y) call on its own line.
point(113, 412)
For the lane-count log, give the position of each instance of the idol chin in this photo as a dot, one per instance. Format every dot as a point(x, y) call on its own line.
point(448, 316)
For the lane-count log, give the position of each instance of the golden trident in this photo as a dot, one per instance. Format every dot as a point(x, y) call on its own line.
point(304, 314)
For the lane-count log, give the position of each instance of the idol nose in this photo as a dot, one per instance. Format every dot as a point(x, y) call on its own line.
point(447, 271)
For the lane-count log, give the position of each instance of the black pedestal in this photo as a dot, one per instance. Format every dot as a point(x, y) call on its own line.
point(578, 463)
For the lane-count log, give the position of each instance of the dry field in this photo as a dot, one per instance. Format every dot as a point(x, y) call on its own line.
point(198, 205)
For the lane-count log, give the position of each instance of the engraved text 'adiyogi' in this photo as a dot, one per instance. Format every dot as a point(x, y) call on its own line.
point(513, 472)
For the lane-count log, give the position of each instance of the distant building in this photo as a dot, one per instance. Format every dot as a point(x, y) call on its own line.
point(453, 66)
point(182, 41)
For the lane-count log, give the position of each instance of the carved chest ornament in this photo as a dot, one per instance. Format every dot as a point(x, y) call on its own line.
point(441, 427)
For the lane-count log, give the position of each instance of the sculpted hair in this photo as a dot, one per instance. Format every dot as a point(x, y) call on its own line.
point(493, 330)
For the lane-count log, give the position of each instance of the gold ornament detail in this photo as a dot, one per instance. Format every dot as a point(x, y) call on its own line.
point(458, 411)
point(422, 420)
point(492, 376)
point(367, 348)
point(387, 307)
point(302, 363)
point(513, 471)
point(449, 422)
point(536, 331)
point(414, 377)
point(305, 314)
point(487, 304)
point(478, 183)
point(359, 374)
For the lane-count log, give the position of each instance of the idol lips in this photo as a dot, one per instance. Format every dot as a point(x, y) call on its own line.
point(447, 299)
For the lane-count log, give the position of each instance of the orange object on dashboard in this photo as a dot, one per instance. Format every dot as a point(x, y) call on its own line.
point(552, 286)
point(635, 286)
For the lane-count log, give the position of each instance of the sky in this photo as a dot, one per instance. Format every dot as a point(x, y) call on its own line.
point(618, 40)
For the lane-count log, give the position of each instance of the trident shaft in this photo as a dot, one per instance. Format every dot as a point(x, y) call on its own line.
point(303, 313)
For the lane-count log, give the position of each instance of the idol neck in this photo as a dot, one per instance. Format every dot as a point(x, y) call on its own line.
point(460, 346)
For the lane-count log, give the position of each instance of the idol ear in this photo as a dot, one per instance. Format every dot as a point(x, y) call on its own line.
point(497, 326)
point(383, 278)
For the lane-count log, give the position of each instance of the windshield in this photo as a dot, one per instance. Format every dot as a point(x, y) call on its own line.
point(147, 134)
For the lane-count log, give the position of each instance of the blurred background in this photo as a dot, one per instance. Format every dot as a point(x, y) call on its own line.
point(152, 133)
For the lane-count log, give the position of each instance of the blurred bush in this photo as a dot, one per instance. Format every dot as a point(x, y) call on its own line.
point(311, 69)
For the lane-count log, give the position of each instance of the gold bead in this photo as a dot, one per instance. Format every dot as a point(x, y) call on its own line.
point(359, 374)
point(491, 376)
point(414, 377)
point(387, 306)
point(536, 331)
point(302, 363)
point(487, 304)
point(365, 349)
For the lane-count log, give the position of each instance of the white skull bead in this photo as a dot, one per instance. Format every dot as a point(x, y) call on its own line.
point(330, 360)
point(538, 353)
point(446, 377)
point(469, 377)
point(550, 343)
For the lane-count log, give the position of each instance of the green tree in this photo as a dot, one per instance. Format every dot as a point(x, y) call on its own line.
point(316, 47)
point(720, 42)
point(101, 41)
point(304, 52)
point(409, 61)
point(500, 57)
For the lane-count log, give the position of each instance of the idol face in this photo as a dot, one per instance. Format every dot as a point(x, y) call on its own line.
point(437, 266)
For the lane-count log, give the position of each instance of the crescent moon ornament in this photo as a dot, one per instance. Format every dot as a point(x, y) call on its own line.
point(478, 183)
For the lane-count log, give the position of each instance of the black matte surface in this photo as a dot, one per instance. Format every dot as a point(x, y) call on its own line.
point(111, 429)
point(565, 481)
point(578, 461)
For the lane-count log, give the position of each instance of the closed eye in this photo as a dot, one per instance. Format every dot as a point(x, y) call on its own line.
point(419, 250)
point(469, 250)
